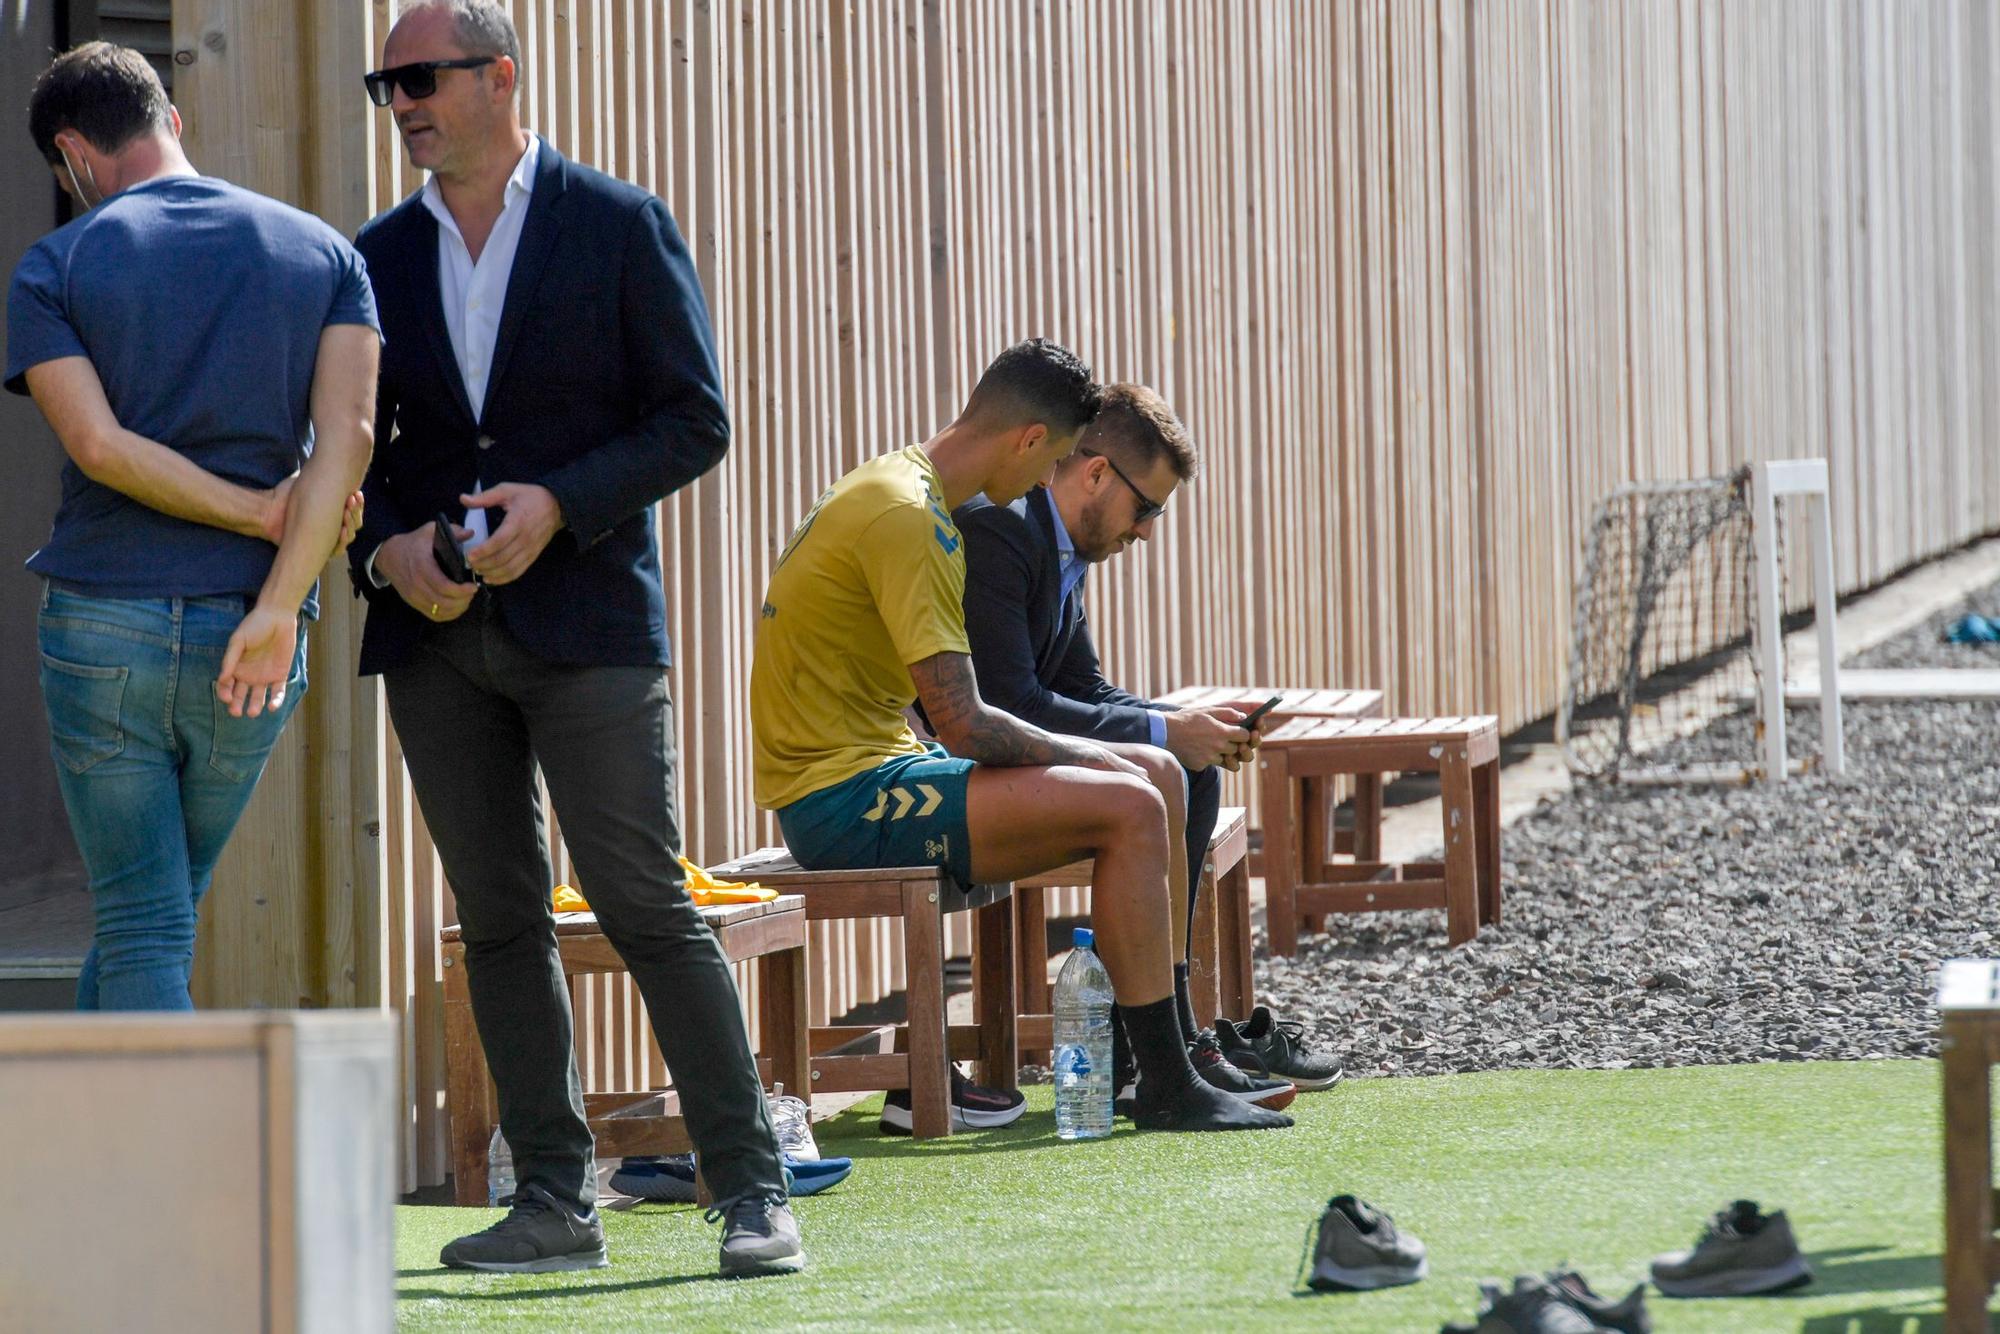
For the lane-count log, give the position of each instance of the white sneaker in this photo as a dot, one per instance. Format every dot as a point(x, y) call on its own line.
point(792, 1119)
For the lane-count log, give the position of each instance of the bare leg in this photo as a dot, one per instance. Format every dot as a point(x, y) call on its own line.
point(1170, 780)
point(1028, 820)
point(1023, 821)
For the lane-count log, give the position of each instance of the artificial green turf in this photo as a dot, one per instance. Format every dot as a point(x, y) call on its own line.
point(1498, 1173)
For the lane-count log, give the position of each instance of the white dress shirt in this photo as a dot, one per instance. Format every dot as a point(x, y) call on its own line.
point(474, 294)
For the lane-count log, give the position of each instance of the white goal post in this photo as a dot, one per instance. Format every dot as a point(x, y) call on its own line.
point(1769, 482)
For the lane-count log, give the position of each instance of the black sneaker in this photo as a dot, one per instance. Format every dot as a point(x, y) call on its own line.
point(973, 1107)
point(1359, 1250)
point(759, 1236)
point(1740, 1253)
point(1533, 1307)
point(1626, 1317)
point(539, 1235)
point(1216, 1070)
point(1278, 1046)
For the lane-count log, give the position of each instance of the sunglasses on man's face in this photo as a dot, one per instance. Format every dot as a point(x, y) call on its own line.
point(1149, 508)
point(418, 80)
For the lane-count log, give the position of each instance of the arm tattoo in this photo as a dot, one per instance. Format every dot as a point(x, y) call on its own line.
point(975, 730)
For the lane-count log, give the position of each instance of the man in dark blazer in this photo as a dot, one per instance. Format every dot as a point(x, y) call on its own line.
point(1031, 643)
point(548, 376)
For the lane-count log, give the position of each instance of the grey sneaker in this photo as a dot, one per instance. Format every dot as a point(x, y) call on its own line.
point(1740, 1253)
point(759, 1236)
point(1533, 1307)
point(1359, 1249)
point(1626, 1317)
point(539, 1235)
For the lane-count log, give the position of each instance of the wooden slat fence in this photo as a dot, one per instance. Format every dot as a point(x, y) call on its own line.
point(1424, 279)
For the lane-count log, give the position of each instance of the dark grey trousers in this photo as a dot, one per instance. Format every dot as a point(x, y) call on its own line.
point(476, 713)
point(1203, 808)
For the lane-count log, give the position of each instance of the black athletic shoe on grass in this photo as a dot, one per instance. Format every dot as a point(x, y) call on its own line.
point(973, 1107)
point(1533, 1307)
point(1741, 1253)
point(1278, 1047)
point(1218, 1071)
point(1626, 1317)
point(1359, 1250)
point(539, 1235)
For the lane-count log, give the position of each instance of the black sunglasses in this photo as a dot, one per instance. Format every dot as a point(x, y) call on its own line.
point(419, 78)
point(1149, 508)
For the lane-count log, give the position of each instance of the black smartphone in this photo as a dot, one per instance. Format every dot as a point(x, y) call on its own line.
point(1250, 724)
point(450, 555)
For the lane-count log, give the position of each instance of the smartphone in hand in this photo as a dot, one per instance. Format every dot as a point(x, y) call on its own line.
point(1250, 724)
point(449, 554)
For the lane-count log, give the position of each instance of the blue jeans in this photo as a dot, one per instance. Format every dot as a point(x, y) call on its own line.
point(154, 773)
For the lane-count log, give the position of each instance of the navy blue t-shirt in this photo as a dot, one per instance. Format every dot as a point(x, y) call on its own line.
point(200, 304)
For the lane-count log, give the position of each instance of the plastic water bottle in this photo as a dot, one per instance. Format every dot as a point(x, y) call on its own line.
point(1083, 1043)
point(499, 1170)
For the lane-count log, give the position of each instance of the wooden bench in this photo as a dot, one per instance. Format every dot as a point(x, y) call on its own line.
point(919, 896)
point(1463, 752)
point(1219, 974)
point(630, 1121)
point(1969, 1008)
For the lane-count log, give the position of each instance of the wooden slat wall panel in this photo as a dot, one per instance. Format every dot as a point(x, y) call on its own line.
point(1424, 277)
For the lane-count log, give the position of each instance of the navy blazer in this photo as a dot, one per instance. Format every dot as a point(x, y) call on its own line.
point(1032, 652)
point(604, 389)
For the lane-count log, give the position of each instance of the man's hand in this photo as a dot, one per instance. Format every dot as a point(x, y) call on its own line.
point(1090, 755)
point(278, 515)
point(1200, 738)
point(533, 517)
point(277, 511)
point(350, 522)
point(405, 560)
point(258, 662)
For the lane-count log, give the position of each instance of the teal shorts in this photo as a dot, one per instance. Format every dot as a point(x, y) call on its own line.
point(908, 811)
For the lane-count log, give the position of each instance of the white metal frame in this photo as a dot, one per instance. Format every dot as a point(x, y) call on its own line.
point(1769, 481)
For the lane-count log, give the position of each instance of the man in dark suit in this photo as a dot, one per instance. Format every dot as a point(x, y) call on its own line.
point(1033, 653)
point(548, 377)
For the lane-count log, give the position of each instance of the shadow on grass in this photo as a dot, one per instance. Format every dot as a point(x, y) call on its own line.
point(511, 1293)
point(863, 1142)
point(1865, 1269)
point(1876, 1320)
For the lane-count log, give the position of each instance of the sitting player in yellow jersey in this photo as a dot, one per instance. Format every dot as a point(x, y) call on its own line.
point(865, 615)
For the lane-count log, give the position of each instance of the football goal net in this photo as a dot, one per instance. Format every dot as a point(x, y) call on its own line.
point(1677, 664)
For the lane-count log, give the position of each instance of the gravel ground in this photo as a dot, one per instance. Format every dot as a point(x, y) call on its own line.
point(1696, 926)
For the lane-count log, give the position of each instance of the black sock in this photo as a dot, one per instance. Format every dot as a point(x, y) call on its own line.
point(1184, 1004)
point(1123, 1071)
point(1157, 1045)
point(1171, 1095)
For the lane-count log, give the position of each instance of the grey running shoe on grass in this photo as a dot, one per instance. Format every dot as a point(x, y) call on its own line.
point(539, 1235)
point(1740, 1253)
point(1359, 1249)
point(1277, 1047)
point(759, 1236)
point(1626, 1317)
point(1533, 1307)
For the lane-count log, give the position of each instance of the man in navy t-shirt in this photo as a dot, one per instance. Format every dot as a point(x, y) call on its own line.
point(207, 358)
